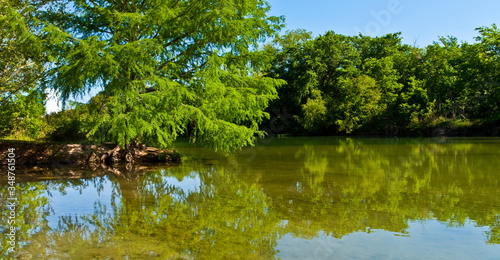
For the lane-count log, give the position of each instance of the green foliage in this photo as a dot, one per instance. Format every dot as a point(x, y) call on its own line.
point(482, 62)
point(21, 69)
point(67, 125)
point(358, 103)
point(21, 117)
point(166, 67)
point(415, 104)
point(314, 111)
point(20, 52)
point(341, 84)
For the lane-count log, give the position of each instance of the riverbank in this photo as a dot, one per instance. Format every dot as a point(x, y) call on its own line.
point(443, 128)
point(82, 155)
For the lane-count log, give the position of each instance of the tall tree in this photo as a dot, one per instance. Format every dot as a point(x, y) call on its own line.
point(166, 67)
point(481, 74)
point(21, 69)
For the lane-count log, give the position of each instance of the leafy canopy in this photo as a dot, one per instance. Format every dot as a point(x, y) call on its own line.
point(165, 68)
point(339, 84)
point(21, 69)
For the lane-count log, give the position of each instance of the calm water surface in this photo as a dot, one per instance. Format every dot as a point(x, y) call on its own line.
point(288, 198)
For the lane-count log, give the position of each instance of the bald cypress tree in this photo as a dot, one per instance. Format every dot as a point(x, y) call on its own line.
point(165, 67)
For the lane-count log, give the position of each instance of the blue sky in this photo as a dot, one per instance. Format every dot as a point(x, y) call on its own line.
point(420, 21)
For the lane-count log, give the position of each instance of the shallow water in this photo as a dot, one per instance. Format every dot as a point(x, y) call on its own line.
point(288, 198)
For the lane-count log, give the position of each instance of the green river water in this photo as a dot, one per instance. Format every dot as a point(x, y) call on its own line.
point(286, 198)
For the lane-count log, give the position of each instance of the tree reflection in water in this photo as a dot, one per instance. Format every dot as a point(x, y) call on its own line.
point(304, 190)
point(150, 217)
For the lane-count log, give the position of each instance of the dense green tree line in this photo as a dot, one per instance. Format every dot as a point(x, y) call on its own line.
point(343, 84)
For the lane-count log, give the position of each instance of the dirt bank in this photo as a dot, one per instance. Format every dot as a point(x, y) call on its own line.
point(46, 154)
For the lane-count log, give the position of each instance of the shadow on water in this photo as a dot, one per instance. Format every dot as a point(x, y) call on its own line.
point(318, 196)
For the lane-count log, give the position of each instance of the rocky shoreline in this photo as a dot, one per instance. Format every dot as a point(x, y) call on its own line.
point(84, 155)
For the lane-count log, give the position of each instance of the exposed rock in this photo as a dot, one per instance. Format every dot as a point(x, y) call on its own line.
point(84, 155)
